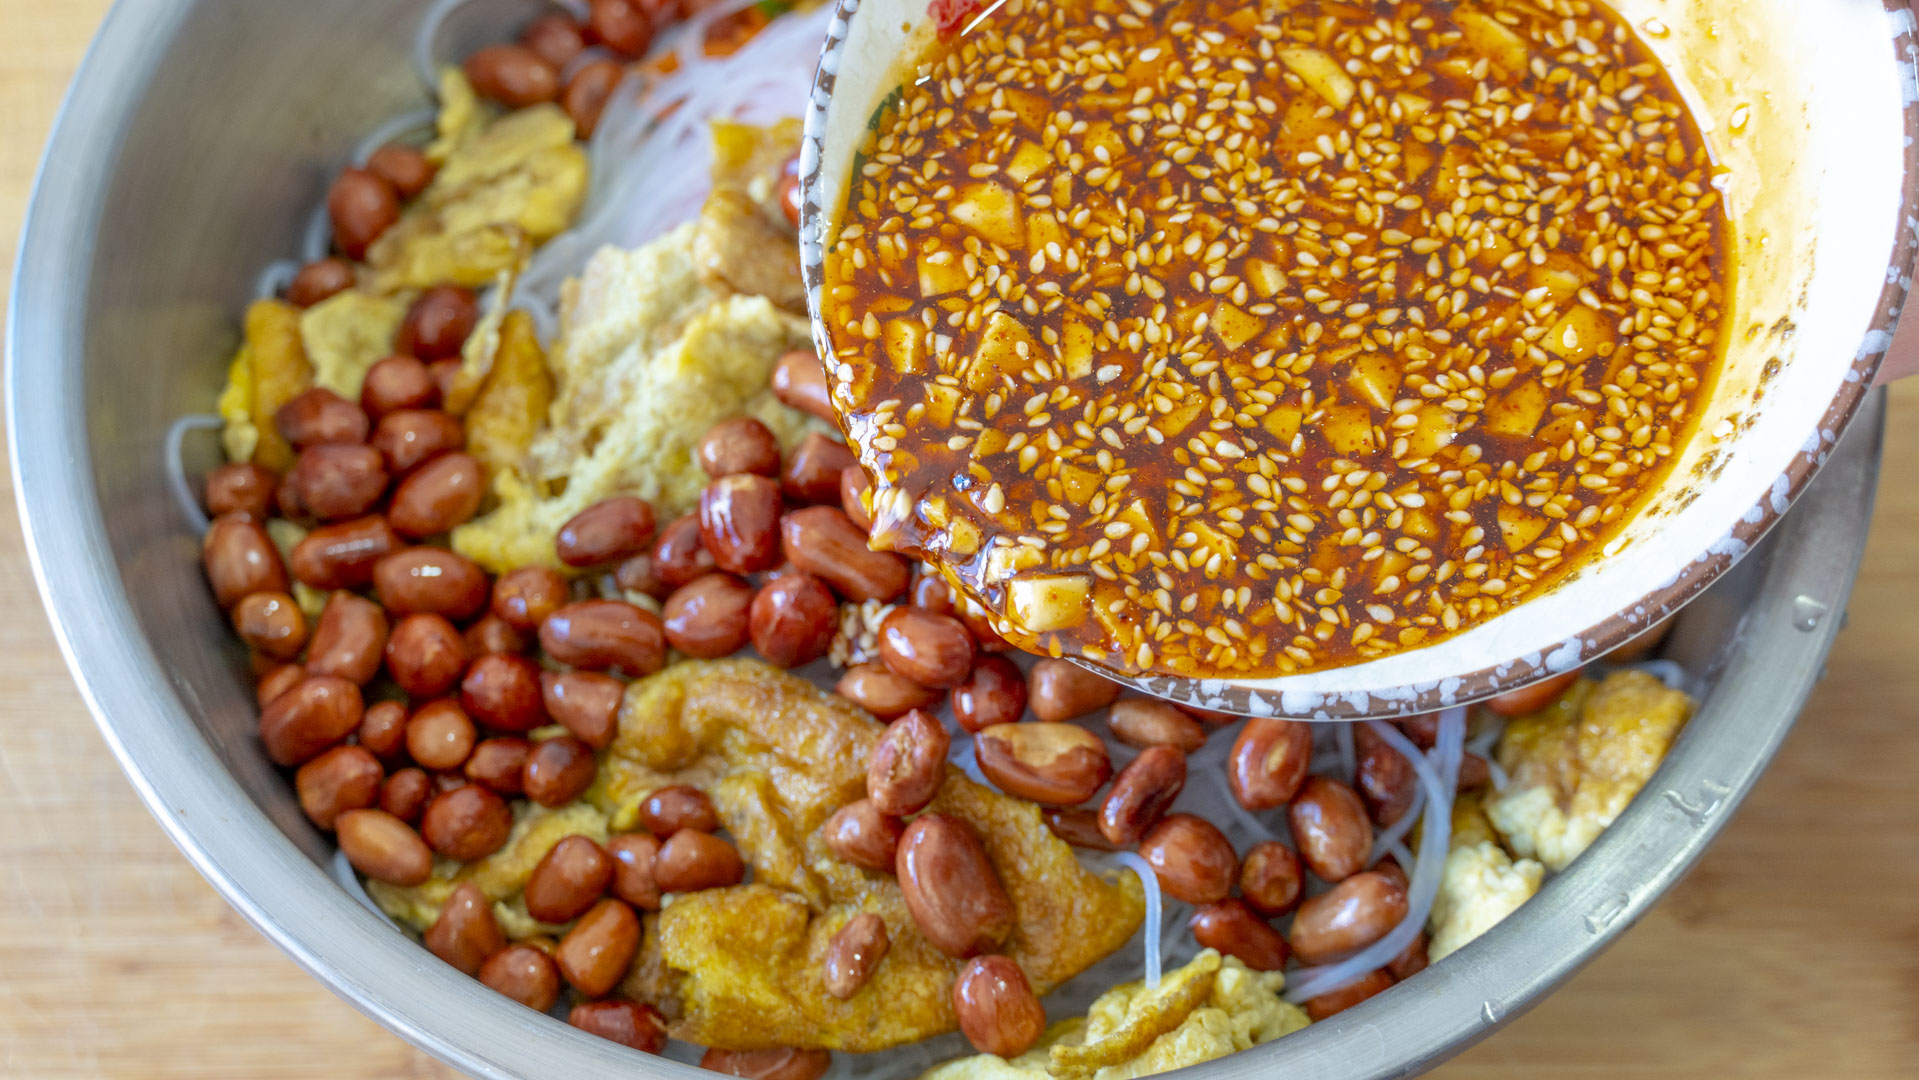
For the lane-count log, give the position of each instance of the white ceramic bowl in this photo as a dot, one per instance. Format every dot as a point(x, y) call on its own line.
point(1812, 114)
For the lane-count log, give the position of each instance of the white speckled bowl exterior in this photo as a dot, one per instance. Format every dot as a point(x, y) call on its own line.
point(1811, 108)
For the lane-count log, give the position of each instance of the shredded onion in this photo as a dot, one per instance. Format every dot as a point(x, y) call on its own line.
point(1149, 881)
point(318, 240)
point(174, 453)
point(1438, 775)
point(343, 873)
point(392, 130)
point(1389, 836)
point(1348, 758)
point(1666, 671)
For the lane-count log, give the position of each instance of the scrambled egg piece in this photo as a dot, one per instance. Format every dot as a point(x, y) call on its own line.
point(346, 334)
point(742, 967)
point(269, 370)
point(1578, 762)
point(649, 357)
point(501, 876)
point(1212, 1007)
point(1480, 885)
point(504, 187)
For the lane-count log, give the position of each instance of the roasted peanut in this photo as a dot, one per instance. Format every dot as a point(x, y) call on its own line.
point(1382, 776)
point(675, 807)
point(362, 205)
point(440, 735)
point(709, 616)
point(425, 655)
point(1534, 697)
point(319, 280)
point(930, 592)
point(499, 763)
point(1269, 761)
point(558, 770)
point(1233, 928)
point(608, 531)
point(241, 488)
point(740, 523)
point(739, 445)
point(1062, 690)
point(394, 384)
point(240, 559)
point(491, 636)
point(570, 878)
point(466, 932)
point(1473, 773)
point(313, 716)
point(409, 438)
point(1143, 722)
point(1077, 826)
point(792, 620)
point(1334, 1002)
point(679, 555)
point(1330, 828)
point(383, 847)
point(690, 860)
point(908, 763)
point(1270, 878)
point(555, 38)
point(994, 693)
point(950, 888)
point(854, 484)
point(600, 634)
point(799, 380)
point(503, 693)
point(1192, 858)
point(342, 555)
point(319, 417)
point(1411, 960)
point(620, 25)
point(524, 974)
point(587, 93)
point(824, 542)
point(525, 597)
point(860, 833)
point(344, 778)
point(349, 640)
point(405, 793)
point(513, 75)
point(879, 691)
point(1422, 730)
point(854, 954)
point(788, 193)
point(812, 473)
point(632, 855)
point(438, 323)
point(586, 703)
point(594, 955)
point(466, 823)
point(629, 1023)
point(931, 650)
point(1345, 919)
point(783, 1063)
point(271, 624)
point(1142, 794)
point(1050, 764)
point(339, 480)
point(278, 680)
point(403, 166)
point(997, 1009)
point(438, 495)
point(430, 579)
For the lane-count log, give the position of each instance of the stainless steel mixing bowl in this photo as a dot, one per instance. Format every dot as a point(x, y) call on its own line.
point(195, 140)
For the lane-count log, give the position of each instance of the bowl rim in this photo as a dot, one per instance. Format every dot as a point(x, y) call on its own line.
point(1272, 696)
point(146, 722)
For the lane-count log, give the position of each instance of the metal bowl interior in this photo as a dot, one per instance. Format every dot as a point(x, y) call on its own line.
point(1816, 140)
point(193, 144)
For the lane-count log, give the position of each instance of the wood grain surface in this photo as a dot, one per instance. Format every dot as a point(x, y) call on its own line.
point(1792, 951)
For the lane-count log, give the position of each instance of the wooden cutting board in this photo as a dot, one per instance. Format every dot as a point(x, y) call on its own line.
point(1791, 952)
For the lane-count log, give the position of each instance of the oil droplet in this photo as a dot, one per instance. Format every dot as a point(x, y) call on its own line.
point(1740, 115)
point(1654, 28)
